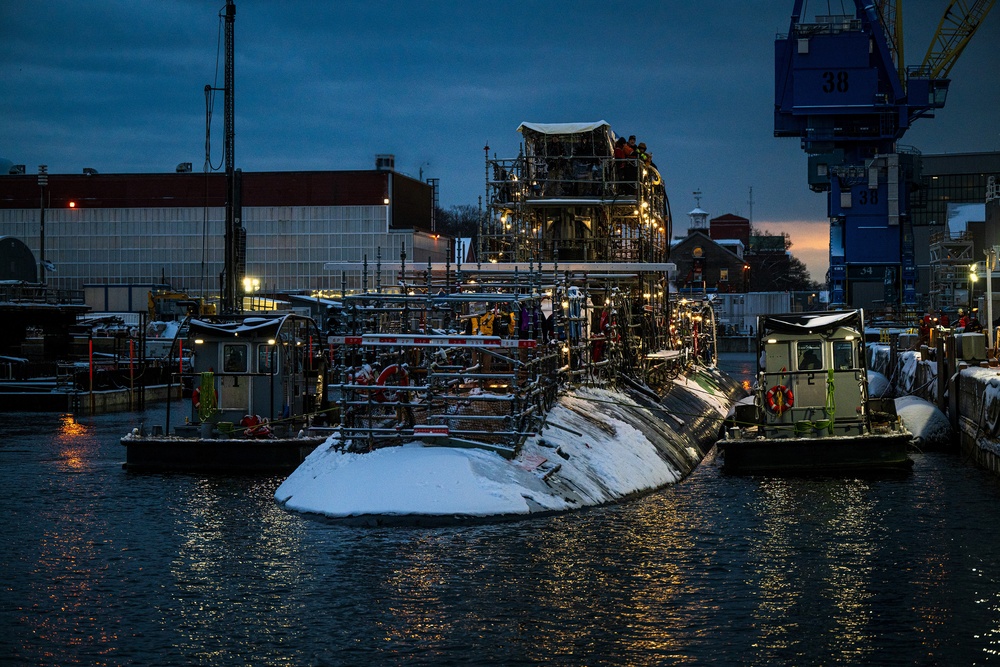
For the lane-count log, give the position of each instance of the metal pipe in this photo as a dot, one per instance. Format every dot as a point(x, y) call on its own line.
point(474, 376)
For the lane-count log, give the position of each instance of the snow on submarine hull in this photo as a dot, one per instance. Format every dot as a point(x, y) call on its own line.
point(597, 446)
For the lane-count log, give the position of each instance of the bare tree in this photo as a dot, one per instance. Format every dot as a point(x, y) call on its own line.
point(461, 221)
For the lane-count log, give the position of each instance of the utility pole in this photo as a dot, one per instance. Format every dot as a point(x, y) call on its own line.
point(991, 258)
point(235, 238)
point(232, 223)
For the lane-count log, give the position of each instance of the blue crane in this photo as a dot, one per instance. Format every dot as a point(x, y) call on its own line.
point(842, 88)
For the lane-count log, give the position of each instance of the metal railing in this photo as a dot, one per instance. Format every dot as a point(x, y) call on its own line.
point(24, 293)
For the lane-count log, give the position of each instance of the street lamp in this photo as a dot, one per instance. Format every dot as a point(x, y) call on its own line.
point(973, 277)
point(251, 286)
point(991, 258)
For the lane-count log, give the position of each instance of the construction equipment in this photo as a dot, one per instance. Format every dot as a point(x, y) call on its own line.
point(842, 88)
point(168, 305)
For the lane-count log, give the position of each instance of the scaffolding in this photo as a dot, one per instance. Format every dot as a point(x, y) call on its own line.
point(477, 358)
point(951, 256)
point(568, 289)
point(567, 198)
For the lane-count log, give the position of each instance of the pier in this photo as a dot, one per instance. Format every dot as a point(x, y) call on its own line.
point(959, 374)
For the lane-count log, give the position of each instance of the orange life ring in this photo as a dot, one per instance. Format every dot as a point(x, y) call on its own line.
point(779, 399)
point(255, 426)
point(382, 395)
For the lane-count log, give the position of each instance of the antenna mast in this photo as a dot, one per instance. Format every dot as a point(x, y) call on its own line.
point(235, 235)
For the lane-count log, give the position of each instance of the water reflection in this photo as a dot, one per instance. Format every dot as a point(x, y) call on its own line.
point(105, 567)
point(74, 442)
point(66, 561)
point(233, 543)
point(813, 560)
point(554, 588)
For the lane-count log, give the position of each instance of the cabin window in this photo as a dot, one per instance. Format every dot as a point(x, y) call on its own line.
point(234, 357)
point(843, 355)
point(810, 355)
point(266, 359)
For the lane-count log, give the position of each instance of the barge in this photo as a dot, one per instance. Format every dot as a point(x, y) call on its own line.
point(257, 385)
point(811, 412)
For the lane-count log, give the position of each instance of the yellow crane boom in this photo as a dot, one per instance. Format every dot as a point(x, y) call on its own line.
point(957, 26)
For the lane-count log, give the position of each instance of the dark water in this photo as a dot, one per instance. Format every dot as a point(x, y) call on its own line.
point(104, 567)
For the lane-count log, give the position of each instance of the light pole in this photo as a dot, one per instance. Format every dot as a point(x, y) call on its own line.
point(43, 181)
point(991, 256)
point(973, 277)
point(272, 343)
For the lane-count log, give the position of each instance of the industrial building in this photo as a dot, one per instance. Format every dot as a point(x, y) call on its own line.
point(147, 230)
point(950, 225)
point(152, 229)
point(843, 89)
point(710, 257)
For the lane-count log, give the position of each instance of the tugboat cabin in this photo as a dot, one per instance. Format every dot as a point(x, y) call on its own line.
point(812, 374)
point(257, 366)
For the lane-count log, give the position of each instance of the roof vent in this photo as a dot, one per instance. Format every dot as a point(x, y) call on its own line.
point(184, 168)
point(385, 162)
point(89, 171)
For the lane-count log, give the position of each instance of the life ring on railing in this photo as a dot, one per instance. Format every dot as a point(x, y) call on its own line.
point(779, 399)
point(360, 374)
point(394, 375)
point(255, 426)
point(196, 398)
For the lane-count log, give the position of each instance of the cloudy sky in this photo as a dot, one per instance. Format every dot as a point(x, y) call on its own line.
point(119, 86)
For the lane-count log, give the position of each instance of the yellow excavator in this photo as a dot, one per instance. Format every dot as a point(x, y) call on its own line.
point(166, 305)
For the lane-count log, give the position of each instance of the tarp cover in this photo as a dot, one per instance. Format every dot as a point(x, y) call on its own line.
point(249, 327)
point(811, 323)
point(562, 128)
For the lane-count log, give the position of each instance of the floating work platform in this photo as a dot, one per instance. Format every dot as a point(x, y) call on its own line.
point(873, 453)
point(216, 452)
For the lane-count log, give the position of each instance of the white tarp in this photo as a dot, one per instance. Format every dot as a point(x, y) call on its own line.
point(562, 128)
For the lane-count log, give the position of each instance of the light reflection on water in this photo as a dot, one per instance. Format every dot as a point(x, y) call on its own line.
point(107, 567)
point(818, 545)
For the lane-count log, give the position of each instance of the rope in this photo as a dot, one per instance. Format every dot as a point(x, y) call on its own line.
point(831, 401)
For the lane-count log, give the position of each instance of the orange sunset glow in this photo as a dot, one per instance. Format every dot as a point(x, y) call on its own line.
point(810, 243)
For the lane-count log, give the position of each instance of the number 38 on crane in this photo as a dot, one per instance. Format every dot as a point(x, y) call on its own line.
point(842, 87)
